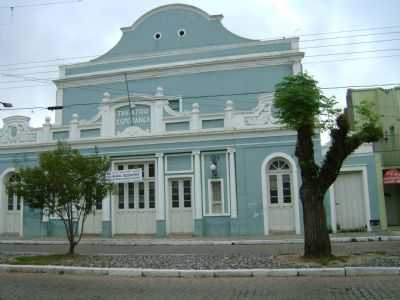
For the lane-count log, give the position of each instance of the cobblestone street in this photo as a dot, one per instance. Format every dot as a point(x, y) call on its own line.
point(41, 286)
point(384, 254)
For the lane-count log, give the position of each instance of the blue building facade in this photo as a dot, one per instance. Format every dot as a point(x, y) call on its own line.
point(190, 104)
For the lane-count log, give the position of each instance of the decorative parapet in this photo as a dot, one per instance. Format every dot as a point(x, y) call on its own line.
point(16, 130)
point(141, 115)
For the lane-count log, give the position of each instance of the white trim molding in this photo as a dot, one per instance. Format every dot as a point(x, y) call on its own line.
point(160, 180)
point(295, 174)
point(198, 201)
point(232, 182)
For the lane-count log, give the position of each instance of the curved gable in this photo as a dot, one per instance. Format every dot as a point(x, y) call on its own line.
point(201, 30)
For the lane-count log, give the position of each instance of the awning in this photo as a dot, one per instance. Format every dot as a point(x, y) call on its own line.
point(392, 176)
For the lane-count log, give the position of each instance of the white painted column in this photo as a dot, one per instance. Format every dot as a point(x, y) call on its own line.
point(158, 125)
point(195, 123)
point(21, 228)
point(106, 208)
point(232, 181)
point(107, 124)
point(45, 135)
point(74, 133)
point(59, 102)
point(228, 115)
point(198, 207)
point(160, 204)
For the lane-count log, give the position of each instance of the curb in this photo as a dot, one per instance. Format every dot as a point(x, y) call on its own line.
point(161, 242)
point(176, 273)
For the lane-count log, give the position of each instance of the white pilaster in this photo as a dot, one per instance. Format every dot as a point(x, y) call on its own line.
point(228, 116)
point(45, 135)
point(106, 208)
point(21, 221)
point(232, 181)
point(59, 102)
point(74, 133)
point(197, 186)
point(195, 119)
point(296, 68)
point(107, 124)
point(159, 126)
point(160, 204)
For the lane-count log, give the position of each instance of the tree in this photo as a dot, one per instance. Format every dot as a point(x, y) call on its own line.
point(301, 106)
point(65, 184)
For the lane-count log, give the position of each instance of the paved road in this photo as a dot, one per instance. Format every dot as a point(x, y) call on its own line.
point(44, 286)
point(389, 247)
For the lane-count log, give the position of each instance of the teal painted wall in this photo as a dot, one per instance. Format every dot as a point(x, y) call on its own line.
point(216, 226)
point(249, 160)
point(33, 225)
point(179, 163)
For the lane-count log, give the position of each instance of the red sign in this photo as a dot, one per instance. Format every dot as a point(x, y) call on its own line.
point(391, 176)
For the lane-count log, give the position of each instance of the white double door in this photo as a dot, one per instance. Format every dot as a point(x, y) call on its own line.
point(180, 203)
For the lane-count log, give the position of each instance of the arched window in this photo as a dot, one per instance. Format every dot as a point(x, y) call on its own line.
point(279, 179)
point(14, 202)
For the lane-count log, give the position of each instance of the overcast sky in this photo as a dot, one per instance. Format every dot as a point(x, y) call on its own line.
point(92, 27)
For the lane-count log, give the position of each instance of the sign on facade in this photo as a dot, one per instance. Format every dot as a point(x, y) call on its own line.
point(138, 116)
point(391, 176)
point(122, 176)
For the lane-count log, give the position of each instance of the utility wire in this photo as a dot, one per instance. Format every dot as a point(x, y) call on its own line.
point(39, 4)
point(214, 95)
point(301, 48)
point(48, 80)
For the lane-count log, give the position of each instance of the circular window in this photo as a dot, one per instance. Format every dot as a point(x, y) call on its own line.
point(181, 32)
point(157, 35)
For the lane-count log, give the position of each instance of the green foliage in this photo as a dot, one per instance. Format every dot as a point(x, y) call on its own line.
point(300, 102)
point(367, 117)
point(66, 184)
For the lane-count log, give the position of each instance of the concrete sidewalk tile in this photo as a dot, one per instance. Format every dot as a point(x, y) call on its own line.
point(274, 272)
point(361, 271)
point(321, 272)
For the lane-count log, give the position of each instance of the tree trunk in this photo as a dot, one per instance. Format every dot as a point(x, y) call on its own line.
point(71, 250)
point(316, 235)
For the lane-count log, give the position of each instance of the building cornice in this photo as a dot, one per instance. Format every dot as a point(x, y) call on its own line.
point(197, 50)
point(166, 138)
point(185, 67)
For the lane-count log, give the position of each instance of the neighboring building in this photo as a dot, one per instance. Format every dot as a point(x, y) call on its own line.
point(199, 122)
point(386, 102)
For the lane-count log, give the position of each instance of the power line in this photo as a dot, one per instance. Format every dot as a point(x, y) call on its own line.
point(349, 59)
point(302, 48)
point(40, 4)
point(214, 95)
point(351, 30)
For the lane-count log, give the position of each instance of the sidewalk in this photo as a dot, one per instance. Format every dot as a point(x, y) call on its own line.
point(133, 240)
